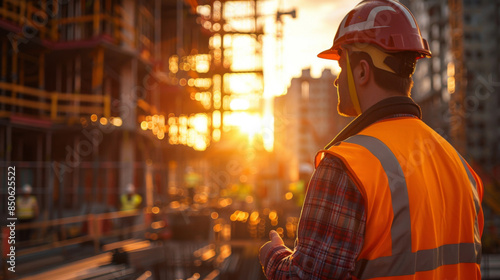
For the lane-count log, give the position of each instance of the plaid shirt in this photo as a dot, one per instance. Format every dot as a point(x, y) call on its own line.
point(330, 232)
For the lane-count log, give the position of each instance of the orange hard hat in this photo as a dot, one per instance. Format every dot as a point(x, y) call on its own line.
point(387, 24)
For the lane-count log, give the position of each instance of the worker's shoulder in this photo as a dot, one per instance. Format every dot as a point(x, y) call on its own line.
point(332, 161)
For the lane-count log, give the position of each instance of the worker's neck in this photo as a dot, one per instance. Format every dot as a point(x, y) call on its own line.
point(368, 98)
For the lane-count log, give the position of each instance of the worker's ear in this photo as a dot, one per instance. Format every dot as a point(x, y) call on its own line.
point(363, 72)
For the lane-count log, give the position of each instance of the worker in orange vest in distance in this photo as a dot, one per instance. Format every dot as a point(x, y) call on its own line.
point(389, 198)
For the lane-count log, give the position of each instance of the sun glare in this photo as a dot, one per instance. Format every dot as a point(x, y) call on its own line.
point(239, 104)
point(242, 83)
point(248, 123)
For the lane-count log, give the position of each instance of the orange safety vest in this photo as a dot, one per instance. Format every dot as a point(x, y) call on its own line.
point(422, 200)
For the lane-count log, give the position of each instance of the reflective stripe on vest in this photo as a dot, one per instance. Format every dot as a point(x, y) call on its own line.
point(403, 261)
point(477, 204)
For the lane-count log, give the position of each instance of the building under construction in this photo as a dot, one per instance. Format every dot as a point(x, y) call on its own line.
point(95, 95)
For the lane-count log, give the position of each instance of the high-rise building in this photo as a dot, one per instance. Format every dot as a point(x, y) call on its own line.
point(481, 35)
point(430, 88)
point(458, 87)
point(306, 119)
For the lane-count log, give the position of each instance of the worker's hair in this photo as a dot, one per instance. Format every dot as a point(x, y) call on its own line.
point(400, 83)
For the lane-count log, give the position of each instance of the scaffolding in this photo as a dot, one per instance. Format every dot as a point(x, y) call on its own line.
point(76, 80)
point(98, 94)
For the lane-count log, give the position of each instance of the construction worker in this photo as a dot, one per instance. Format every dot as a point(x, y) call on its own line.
point(27, 210)
point(130, 200)
point(191, 180)
point(389, 198)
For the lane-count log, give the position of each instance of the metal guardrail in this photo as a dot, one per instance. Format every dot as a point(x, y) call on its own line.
point(55, 102)
point(95, 232)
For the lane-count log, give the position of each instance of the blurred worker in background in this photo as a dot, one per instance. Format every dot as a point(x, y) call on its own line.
point(390, 198)
point(191, 180)
point(130, 200)
point(27, 211)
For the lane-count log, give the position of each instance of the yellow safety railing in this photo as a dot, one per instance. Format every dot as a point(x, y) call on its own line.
point(54, 103)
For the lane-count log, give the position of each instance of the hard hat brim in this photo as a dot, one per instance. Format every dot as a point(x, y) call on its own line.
point(331, 54)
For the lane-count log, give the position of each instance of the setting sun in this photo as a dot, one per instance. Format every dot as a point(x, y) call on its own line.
point(248, 123)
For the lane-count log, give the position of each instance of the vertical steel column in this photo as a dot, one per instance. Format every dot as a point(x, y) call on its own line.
point(41, 76)
point(3, 73)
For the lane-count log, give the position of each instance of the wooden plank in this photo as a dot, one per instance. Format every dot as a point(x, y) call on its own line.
point(53, 245)
point(212, 275)
point(101, 272)
point(118, 244)
point(94, 261)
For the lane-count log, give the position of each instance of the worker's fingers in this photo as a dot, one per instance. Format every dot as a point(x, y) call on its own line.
point(275, 237)
point(266, 248)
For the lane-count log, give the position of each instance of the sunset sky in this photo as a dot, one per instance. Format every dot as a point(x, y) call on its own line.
point(311, 32)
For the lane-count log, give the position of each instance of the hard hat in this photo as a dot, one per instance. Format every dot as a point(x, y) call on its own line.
point(387, 24)
point(27, 188)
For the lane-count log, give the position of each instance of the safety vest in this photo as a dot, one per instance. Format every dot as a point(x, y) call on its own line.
point(422, 200)
point(26, 207)
point(192, 179)
point(130, 204)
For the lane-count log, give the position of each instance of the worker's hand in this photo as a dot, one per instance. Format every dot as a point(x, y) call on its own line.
point(275, 241)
